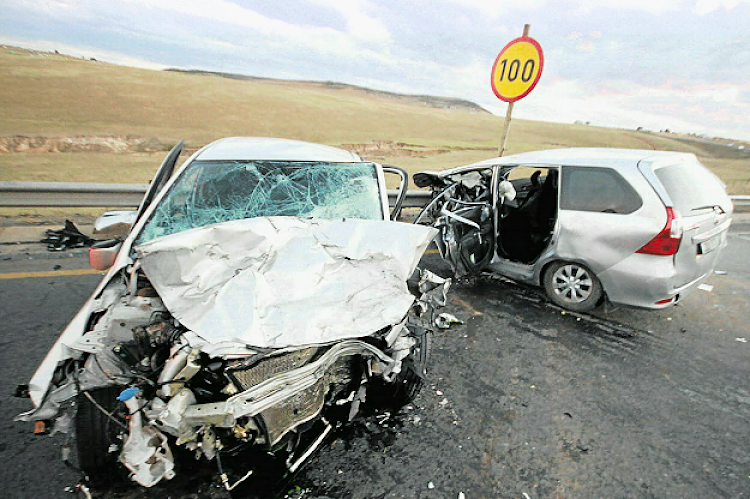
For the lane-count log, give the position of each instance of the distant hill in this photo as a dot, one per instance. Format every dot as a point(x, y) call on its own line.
point(429, 100)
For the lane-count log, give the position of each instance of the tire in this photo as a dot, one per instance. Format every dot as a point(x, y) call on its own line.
point(572, 286)
point(97, 433)
point(404, 389)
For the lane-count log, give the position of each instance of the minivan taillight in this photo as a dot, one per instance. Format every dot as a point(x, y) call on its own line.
point(668, 240)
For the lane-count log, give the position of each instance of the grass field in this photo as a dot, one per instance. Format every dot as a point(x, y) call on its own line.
point(52, 95)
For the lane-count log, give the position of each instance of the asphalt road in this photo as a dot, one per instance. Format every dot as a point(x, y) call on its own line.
point(523, 400)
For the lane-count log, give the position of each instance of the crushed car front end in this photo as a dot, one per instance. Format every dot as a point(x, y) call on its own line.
point(255, 304)
point(195, 346)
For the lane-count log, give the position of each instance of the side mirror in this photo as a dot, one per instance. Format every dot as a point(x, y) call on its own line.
point(114, 223)
point(402, 188)
point(102, 255)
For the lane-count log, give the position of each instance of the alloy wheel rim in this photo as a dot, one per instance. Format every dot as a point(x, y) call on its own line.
point(572, 283)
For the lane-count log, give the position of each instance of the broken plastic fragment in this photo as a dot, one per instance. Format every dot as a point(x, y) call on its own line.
point(444, 320)
point(146, 452)
point(84, 490)
point(22, 391)
point(127, 394)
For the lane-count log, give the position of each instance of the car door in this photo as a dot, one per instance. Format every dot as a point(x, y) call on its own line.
point(463, 209)
point(161, 178)
point(400, 194)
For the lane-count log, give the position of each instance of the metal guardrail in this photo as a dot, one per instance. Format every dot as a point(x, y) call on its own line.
point(64, 194)
point(72, 194)
point(96, 195)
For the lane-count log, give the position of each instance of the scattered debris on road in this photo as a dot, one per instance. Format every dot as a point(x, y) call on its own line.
point(67, 237)
point(444, 320)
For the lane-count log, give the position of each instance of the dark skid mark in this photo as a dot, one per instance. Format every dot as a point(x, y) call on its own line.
point(528, 311)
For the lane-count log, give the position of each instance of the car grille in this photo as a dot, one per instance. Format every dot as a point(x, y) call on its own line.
point(271, 366)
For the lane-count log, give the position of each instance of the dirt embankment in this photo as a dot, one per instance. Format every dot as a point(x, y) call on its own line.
point(105, 144)
point(129, 144)
point(383, 148)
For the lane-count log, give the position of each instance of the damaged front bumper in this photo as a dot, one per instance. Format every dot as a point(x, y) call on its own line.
point(262, 415)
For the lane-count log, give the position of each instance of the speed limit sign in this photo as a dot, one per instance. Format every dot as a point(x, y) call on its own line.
point(517, 69)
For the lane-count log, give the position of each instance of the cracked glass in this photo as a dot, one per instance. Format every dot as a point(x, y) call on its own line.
point(210, 192)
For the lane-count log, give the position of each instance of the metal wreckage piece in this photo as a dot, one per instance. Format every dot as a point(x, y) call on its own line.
point(461, 209)
point(67, 237)
point(247, 333)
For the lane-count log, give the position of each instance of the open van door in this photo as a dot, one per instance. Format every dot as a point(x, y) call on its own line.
point(161, 178)
point(464, 209)
point(402, 188)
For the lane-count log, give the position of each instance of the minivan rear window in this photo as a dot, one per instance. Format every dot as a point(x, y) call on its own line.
point(691, 186)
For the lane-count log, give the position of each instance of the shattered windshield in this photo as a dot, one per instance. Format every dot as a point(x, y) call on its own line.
point(210, 192)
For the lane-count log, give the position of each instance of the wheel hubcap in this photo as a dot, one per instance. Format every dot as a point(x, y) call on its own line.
point(572, 283)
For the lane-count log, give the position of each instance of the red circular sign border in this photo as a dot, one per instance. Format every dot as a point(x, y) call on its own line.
point(538, 47)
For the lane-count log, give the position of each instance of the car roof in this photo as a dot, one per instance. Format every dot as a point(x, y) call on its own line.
point(272, 149)
point(583, 156)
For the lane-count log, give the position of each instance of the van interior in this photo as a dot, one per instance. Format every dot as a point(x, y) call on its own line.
point(526, 223)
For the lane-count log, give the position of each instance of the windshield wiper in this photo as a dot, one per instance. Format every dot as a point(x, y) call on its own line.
point(709, 207)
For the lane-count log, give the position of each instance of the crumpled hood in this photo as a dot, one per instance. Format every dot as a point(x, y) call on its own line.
point(282, 281)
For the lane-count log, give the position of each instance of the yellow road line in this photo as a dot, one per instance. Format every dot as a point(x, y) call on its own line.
point(431, 252)
point(50, 273)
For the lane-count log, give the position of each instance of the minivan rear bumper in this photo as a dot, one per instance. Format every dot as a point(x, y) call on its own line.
point(646, 281)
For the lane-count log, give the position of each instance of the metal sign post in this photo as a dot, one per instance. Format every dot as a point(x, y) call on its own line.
point(506, 127)
point(516, 72)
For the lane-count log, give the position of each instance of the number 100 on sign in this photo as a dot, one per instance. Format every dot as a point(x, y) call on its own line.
point(517, 69)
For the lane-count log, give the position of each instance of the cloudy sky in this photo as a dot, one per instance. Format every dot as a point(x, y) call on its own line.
point(682, 65)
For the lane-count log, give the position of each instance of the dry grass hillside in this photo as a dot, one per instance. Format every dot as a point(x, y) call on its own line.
point(72, 119)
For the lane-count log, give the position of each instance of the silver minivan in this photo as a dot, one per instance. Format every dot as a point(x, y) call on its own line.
point(589, 225)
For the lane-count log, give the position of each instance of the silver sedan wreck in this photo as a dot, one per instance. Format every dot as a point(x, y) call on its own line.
point(260, 296)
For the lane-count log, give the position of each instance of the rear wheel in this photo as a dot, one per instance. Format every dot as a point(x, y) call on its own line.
point(572, 286)
point(98, 435)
